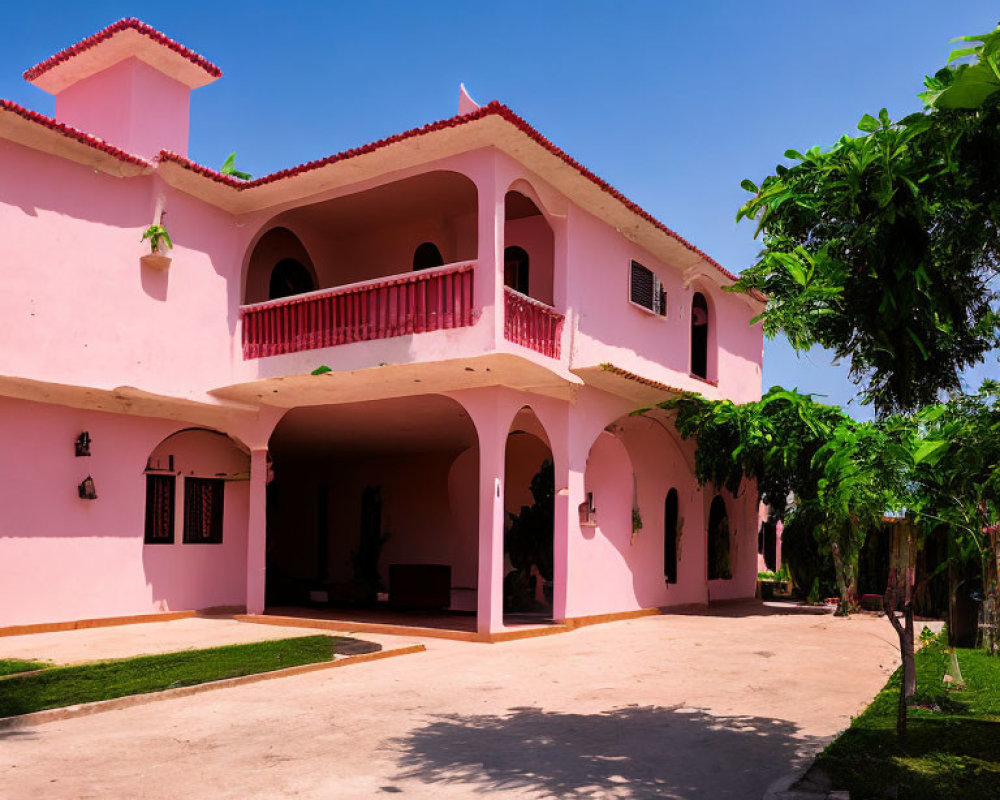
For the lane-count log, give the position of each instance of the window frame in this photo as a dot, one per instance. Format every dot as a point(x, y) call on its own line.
point(148, 521)
point(217, 521)
point(659, 303)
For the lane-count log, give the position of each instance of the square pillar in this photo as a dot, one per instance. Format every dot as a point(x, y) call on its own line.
point(489, 597)
point(257, 532)
point(570, 461)
point(488, 284)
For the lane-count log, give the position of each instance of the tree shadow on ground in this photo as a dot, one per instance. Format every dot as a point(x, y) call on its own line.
point(633, 752)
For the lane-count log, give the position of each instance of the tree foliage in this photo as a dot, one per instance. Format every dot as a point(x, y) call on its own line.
point(882, 247)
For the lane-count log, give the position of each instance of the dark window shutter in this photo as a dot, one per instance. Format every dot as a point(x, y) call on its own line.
point(203, 507)
point(160, 491)
point(641, 286)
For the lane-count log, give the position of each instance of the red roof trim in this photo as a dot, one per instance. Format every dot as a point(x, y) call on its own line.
point(73, 133)
point(492, 109)
point(102, 36)
point(631, 376)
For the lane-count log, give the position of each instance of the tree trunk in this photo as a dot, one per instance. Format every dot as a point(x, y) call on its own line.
point(904, 630)
point(845, 569)
point(991, 599)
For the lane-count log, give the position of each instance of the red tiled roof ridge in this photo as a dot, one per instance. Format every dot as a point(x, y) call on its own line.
point(129, 23)
point(494, 108)
point(73, 133)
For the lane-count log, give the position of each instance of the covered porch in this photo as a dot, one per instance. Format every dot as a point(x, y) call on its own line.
point(374, 519)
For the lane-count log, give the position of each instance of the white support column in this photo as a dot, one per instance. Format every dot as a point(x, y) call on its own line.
point(257, 531)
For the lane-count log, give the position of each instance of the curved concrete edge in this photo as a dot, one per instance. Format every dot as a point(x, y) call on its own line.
point(86, 709)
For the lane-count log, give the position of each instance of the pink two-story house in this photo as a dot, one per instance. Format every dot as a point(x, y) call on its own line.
point(346, 373)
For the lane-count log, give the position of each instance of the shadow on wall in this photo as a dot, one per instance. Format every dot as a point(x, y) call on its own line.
point(635, 752)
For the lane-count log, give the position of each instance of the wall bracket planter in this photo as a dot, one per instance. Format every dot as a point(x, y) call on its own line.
point(156, 261)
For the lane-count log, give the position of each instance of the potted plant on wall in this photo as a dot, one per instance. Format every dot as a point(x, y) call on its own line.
point(159, 247)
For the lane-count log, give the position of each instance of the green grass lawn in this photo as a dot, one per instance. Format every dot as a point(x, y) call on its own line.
point(953, 747)
point(103, 680)
point(11, 666)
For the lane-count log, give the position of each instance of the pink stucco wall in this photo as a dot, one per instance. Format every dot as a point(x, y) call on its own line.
point(63, 558)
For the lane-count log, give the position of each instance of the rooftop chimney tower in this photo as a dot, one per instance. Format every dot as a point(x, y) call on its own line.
point(129, 85)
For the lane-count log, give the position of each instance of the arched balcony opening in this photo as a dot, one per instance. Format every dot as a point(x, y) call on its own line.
point(529, 248)
point(390, 261)
point(529, 257)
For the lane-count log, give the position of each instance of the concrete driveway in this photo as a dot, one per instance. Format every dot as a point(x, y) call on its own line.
point(712, 705)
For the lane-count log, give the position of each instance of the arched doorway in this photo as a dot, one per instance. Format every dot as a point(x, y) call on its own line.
point(278, 266)
point(289, 277)
point(529, 498)
point(671, 511)
point(427, 256)
point(516, 269)
point(719, 562)
point(699, 335)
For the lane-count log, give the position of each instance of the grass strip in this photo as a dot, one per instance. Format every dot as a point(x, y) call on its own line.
point(104, 680)
point(953, 746)
point(11, 666)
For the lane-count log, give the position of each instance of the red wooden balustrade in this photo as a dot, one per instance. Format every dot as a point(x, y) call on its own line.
point(531, 323)
point(414, 302)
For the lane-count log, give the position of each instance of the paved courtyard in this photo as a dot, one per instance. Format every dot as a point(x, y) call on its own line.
point(711, 705)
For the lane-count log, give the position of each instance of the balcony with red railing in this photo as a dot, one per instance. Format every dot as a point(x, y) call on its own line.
point(531, 323)
point(395, 305)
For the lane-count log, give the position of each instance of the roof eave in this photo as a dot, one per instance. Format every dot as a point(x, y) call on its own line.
point(39, 132)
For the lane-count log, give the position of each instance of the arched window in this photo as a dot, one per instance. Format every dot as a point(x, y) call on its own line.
point(427, 256)
point(515, 269)
point(699, 335)
point(719, 567)
point(670, 511)
point(289, 277)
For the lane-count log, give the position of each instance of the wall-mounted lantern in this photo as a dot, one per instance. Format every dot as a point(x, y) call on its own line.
point(87, 490)
point(83, 444)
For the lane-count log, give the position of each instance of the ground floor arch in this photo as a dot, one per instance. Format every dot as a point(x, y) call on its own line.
point(373, 503)
point(529, 509)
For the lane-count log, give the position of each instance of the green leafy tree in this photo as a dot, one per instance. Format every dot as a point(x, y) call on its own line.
point(961, 487)
point(786, 443)
point(882, 248)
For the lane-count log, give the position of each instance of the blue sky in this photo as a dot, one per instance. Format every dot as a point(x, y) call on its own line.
point(672, 103)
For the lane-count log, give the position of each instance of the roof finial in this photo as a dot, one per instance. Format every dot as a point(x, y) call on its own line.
point(466, 105)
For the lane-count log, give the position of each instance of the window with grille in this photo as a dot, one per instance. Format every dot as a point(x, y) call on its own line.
point(646, 290)
point(160, 493)
point(203, 501)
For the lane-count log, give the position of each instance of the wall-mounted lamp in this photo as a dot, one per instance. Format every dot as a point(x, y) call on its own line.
point(87, 490)
point(83, 444)
point(588, 514)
